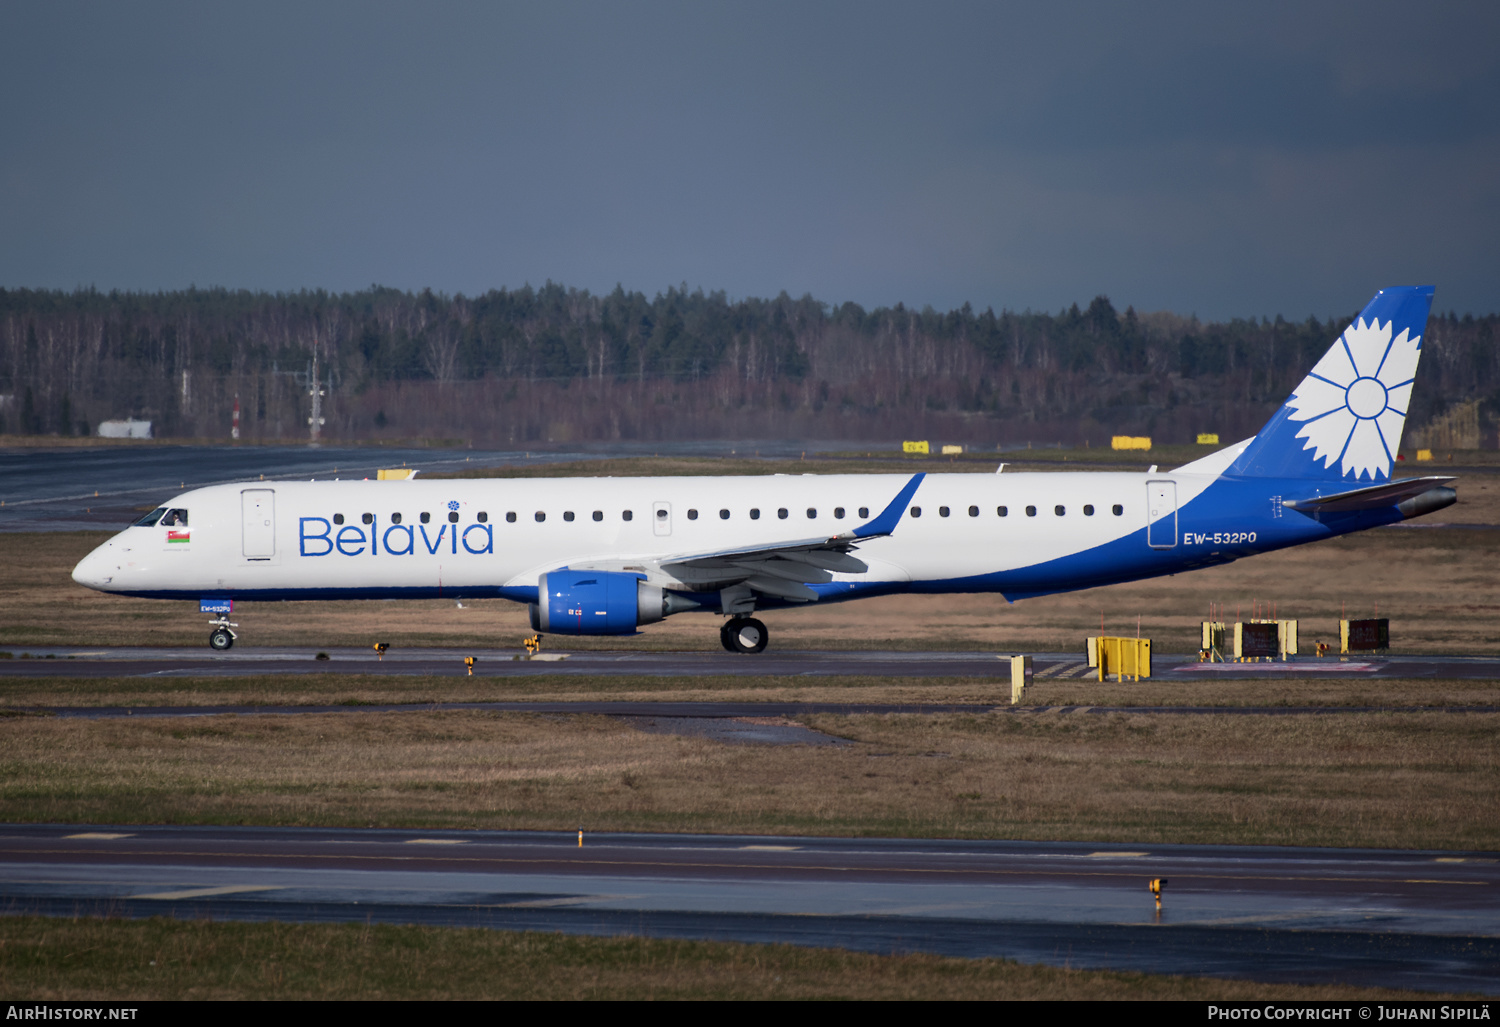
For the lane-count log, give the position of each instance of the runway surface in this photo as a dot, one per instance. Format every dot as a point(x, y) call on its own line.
point(126, 661)
point(1423, 920)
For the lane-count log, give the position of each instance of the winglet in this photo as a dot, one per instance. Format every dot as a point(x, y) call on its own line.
point(885, 523)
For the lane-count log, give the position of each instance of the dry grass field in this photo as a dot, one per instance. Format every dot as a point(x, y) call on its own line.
point(1439, 585)
point(1356, 779)
point(20, 695)
point(157, 959)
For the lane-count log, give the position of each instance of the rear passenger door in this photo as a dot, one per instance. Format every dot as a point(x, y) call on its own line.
point(1161, 507)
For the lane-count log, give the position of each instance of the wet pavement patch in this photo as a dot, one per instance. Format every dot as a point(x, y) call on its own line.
point(737, 730)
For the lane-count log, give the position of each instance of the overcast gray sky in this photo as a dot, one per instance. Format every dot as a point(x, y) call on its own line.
point(1221, 159)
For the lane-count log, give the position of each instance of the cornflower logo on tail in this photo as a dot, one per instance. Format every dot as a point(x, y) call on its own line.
point(1355, 399)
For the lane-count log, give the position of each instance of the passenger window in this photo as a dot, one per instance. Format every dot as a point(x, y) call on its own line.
point(1060, 510)
point(1031, 511)
point(151, 518)
point(626, 515)
point(568, 515)
point(510, 517)
point(864, 511)
point(426, 518)
point(661, 515)
point(540, 517)
point(1118, 509)
point(1003, 511)
point(396, 518)
point(916, 511)
point(943, 511)
point(838, 512)
point(973, 511)
point(692, 515)
point(338, 518)
point(781, 513)
point(812, 513)
point(452, 517)
point(755, 514)
point(483, 517)
point(370, 518)
point(1088, 510)
point(598, 515)
point(723, 515)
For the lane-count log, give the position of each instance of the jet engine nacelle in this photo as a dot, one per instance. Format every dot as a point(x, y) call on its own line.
point(599, 603)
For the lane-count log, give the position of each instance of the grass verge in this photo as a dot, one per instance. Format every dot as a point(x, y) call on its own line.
point(161, 959)
point(1381, 780)
point(18, 695)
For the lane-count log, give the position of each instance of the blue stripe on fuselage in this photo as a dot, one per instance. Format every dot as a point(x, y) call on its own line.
point(1230, 506)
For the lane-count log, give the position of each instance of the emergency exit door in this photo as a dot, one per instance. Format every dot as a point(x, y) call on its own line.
point(1161, 507)
point(258, 507)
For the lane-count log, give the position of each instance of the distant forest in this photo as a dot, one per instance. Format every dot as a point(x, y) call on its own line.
point(534, 365)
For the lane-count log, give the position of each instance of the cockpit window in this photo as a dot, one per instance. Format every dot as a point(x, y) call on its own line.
point(151, 518)
point(175, 519)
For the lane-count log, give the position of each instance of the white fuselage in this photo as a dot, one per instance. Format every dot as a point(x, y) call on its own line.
point(503, 533)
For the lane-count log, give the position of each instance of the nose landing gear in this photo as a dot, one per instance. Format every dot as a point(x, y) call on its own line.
point(223, 636)
point(744, 635)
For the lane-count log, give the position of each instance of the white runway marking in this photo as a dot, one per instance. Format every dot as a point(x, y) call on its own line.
point(102, 836)
point(203, 893)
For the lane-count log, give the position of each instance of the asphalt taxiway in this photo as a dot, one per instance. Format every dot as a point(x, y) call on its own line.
point(1422, 920)
point(242, 660)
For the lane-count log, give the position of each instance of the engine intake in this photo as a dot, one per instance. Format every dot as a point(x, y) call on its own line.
point(600, 603)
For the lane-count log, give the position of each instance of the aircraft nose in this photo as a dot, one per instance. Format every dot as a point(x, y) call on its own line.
point(95, 570)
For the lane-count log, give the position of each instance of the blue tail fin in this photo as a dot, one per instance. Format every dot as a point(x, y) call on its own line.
point(1343, 423)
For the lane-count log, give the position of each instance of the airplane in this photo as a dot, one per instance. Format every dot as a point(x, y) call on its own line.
point(606, 555)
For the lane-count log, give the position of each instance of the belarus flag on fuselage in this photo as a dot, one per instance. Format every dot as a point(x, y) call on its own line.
point(179, 534)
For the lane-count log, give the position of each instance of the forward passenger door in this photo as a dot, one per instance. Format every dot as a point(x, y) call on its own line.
point(258, 507)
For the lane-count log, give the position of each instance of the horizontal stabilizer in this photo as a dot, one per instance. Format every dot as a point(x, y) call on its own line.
point(1372, 498)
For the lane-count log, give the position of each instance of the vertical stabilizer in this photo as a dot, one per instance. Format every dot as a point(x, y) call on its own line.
point(1344, 422)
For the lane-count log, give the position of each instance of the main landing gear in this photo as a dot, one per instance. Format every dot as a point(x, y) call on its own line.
point(223, 635)
point(744, 635)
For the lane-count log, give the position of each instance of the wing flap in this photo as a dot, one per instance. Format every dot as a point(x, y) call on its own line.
point(781, 587)
point(791, 570)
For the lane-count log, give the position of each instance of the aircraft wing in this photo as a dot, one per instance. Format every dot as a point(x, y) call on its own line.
point(784, 569)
